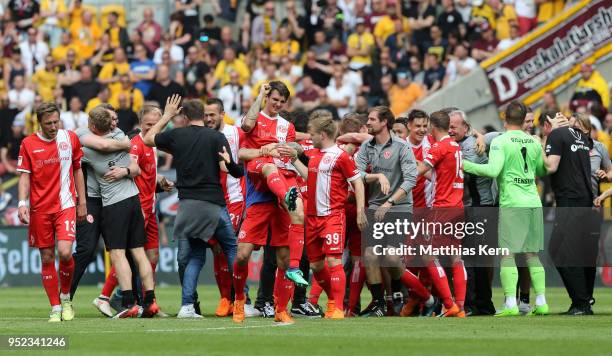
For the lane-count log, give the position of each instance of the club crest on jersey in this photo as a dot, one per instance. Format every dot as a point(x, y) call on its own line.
point(282, 129)
point(327, 159)
point(231, 141)
point(63, 146)
point(387, 154)
point(241, 235)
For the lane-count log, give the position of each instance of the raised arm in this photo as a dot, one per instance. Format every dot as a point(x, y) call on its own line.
point(102, 144)
point(248, 123)
point(172, 109)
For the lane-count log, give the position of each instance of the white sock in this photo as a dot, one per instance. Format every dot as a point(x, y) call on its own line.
point(540, 299)
point(56, 308)
point(429, 301)
point(64, 297)
point(510, 302)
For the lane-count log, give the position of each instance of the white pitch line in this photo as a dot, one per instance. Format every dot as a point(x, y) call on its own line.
point(181, 330)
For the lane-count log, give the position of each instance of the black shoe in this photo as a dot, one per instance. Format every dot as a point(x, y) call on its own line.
point(580, 311)
point(115, 302)
point(368, 309)
point(432, 310)
point(196, 307)
point(592, 301)
point(267, 311)
point(398, 303)
point(305, 310)
point(378, 310)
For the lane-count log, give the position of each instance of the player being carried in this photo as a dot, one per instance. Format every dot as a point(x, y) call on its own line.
point(271, 172)
point(515, 159)
point(50, 166)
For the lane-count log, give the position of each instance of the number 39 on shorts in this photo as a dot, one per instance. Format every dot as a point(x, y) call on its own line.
point(332, 239)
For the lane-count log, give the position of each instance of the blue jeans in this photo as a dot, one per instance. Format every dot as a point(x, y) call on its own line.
point(192, 256)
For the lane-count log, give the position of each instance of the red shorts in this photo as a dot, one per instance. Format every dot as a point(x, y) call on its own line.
point(256, 177)
point(235, 212)
point(353, 234)
point(446, 221)
point(325, 235)
point(46, 228)
point(151, 231)
point(262, 218)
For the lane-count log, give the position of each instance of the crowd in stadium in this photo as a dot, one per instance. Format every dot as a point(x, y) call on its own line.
point(328, 67)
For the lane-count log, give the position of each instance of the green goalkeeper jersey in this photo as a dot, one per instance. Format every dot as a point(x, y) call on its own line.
point(515, 159)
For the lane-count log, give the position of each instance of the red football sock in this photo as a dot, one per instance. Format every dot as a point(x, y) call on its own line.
point(241, 273)
point(323, 278)
point(277, 185)
point(223, 276)
point(110, 283)
point(296, 245)
point(425, 279)
point(49, 281)
point(153, 267)
point(440, 282)
point(66, 271)
point(315, 291)
point(459, 283)
point(357, 280)
point(283, 289)
point(415, 287)
point(338, 285)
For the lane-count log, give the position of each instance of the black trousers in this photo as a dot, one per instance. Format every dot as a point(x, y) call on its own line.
point(87, 236)
point(574, 247)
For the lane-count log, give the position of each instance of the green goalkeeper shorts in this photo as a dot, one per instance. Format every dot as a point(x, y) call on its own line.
point(521, 229)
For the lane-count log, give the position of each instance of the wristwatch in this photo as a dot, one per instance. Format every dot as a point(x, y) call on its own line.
point(391, 201)
point(128, 171)
point(22, 203)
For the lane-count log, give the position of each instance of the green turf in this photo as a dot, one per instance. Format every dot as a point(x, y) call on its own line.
point(23, 311)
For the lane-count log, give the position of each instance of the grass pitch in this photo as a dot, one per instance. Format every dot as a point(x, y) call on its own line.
point(23, 311)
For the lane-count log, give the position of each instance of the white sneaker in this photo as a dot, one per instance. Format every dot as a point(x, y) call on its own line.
point(524, 308)
point(103, 306)
point(250, 311)
point(187, 311)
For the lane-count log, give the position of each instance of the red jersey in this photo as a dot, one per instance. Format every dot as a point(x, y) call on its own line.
point(445, 158)
point(418, 192)
point(328, 175)
point(146, 157)
point(51, 165)
point(233, 188)
point(271, 130)
point(309, 151)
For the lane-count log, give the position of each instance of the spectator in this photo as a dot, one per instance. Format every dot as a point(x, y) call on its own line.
point(20, 97)
point(289, 72)
point(87, 87)
point(228, 64)
point(481, 13)
point(352, 10)
point(318, 69)
point(308, 97)
point(547, 9)
point(233, 94)
point(271, 74)
point(191, 14)
point(372, 77)
point(351, 78)
point(264, 26)
point(321, 47)
point(505, 16)
point(591, 80)
point(387, 26)
point(142, 70)
point(11, 38)
point(33, 52)
point(486, 45)
point(126, 115)
point(526, 14)
point(339, 94)
point(12, 68)
point(361, 105)
point(60, 52)
point(377, 13)
point(175, 68)
point(211, 30)
point(85, 34)
point(450, 20)
point(460, 65)
point(195, 69)
point(434, 73)
point(386, 83)
point(416, 70)
point(9, 153)
point(399, 45)
point(104, 53)
point(102, 98)
point(54, 14)
point(109, 75)
point(438, 44)
point(261, 62)
point(404, 94)
point(284, 46)
point(464, 8)
point(7, 116)
point(515, 36)
point(227, 41)
point(164, 86)
point(150, 30)
point(118, 35)
point(45, 79)
point(25, 13)
point(75, 117)
point(176, 52)
point(296, 23)
point(133, 96)
point(421, 17)
point(337, 48)
point(360, 46)
point(180, 36)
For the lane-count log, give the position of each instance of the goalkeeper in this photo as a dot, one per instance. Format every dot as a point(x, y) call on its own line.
point(515, 159)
